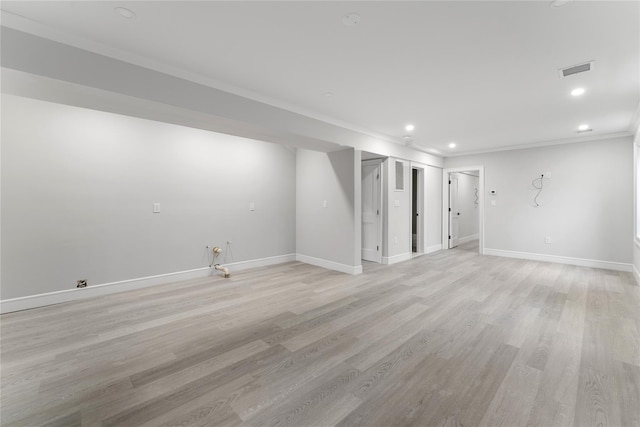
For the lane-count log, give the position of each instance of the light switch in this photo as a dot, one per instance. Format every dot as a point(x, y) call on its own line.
point(252, 206)
point(324, 204)
point(396, 203)
point(493, 203)
point(156, 208)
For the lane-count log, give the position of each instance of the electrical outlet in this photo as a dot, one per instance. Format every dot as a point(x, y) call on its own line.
point(547, 240)
point(82, 283)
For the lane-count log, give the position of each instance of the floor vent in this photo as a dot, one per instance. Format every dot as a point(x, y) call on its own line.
point(576, 69)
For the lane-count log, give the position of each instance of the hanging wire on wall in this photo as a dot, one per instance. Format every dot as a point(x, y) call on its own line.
point(475, 202)
point(537, 184)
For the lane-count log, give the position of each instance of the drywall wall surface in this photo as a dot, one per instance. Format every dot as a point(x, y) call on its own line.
point(585, 207)
point(79, 187)
point(636, 261)
point(101, 82)
point(397, 211)
point(468, 205)
point(325, 209)
point(433, 207)
point(357, 208)
point(636, 203)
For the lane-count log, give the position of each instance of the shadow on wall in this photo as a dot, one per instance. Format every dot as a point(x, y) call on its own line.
point(342, 164)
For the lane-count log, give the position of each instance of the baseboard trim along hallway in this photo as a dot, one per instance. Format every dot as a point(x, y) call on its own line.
point(329, 265)
point(387, 260)
point(607, 265)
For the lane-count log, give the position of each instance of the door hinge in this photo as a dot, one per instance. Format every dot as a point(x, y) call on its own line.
point(449, 182)
point(377, 211)
point(449, 237)
point(378, 176)
point(449, 209)
point(377, 248)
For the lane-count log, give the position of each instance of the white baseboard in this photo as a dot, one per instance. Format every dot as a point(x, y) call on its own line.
point(260, 262)
point(434, 248)
point(41, 300)
point(466, 239)
point(329, 265)
point(636, 274)
point(396, 258)
point(429, 250)
point(607, 265)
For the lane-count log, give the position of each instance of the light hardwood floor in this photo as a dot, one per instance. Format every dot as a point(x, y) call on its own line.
point(447, 339)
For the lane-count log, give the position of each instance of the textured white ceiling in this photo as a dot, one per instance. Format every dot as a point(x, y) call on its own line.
point(482, 74)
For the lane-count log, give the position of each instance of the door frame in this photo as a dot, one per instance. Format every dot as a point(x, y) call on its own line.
point(420, 235)
point(453, 213)
point(377, 162)
point(445, 203)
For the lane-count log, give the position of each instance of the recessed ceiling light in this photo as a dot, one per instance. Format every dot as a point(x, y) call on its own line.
point(577, 91)
point(583, 128)
point(452, 145)
point(559, 3)
point(409, 128)
point(124, 12)
point(351, 19)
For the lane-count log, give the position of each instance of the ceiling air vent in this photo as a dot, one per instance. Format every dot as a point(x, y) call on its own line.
point(576, 69)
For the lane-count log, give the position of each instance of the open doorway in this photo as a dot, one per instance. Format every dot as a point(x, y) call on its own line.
point(463, 208)
point(417, 211)
point(371, 208)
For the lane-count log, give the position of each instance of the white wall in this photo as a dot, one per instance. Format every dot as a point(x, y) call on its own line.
point(113, 85)
point(326, 236)
point(433, 208)
point(585, 207)
point(396, 234)
point(468, 219)
point(78, 187)
point(636, 204)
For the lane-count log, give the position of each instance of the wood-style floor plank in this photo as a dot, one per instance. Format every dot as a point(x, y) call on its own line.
point(451, 338)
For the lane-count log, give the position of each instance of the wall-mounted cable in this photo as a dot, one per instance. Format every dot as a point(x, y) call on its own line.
point(537, 184)
point(475, 202)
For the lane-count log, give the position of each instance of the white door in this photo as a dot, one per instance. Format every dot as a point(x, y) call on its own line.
point(371, 224)
point(454, 213)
